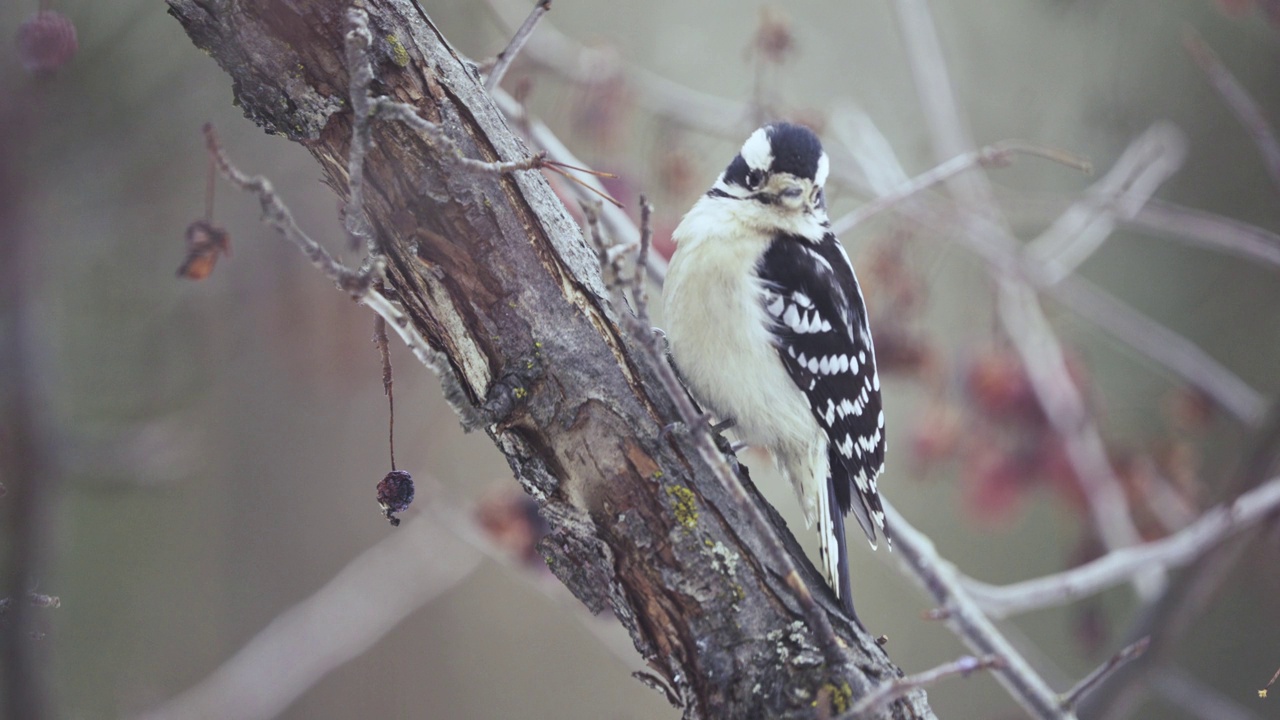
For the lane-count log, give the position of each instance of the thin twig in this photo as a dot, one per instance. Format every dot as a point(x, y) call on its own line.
point(1118, 566)
point(1071, 698)
point(615, 220)
point(696, 423)
point(276, 214)
point(1154, 341)
point(1208, 230)
point(210, 179)
point(582, 65)
point(998, 154)
point(1144, 166)
point(944, 585)
point(508, 56)
point(640, 282)
point(871, 703)
point(384, 108)
point(384, 354)
point(610, 262)
point(1240, 101)
point(358, 284)
point(563, 168)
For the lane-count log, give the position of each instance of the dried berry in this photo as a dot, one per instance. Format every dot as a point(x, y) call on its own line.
point(205, 243)
point(395, 494)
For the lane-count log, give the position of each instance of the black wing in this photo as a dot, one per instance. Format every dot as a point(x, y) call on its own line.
point(824, 342)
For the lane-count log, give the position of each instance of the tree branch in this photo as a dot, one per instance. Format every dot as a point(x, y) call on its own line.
point(518, 40)
point(1129, 653)
point(341, 620)
point(963, 666)
point(944, 585)
point(1118, 566)
point(500, 293)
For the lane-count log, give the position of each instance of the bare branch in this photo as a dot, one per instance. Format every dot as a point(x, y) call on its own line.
point(358, 283)
point(1240, 101)
point(1019, 308)
point(508, 56)
point(568, 58)
point(935, 94)
point(1146, 164)
point(615, 220)
point(873, 701)
point(640, 283)
point(343, 619)
point(1071, 698)
point(387, 109)
point(1118, 566)
point(946, 587)
point(1204, 229)
point(276, 214)
point(999, 154)
point(1064, 407)
point(869, 150)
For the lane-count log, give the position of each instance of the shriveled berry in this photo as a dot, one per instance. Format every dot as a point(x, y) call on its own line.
point(395, 493)
point(206, 242)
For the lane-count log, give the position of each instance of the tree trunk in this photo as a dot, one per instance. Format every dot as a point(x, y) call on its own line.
point(497, 276)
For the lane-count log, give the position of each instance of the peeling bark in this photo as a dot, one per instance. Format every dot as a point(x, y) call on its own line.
point(497, 276)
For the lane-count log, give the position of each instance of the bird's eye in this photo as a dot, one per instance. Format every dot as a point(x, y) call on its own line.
point(815, 197)
point(753, 179)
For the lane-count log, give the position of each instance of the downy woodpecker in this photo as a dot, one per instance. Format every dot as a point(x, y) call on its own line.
point(768, 329)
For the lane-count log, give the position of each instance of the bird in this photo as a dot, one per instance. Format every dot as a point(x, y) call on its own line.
point(767, 328)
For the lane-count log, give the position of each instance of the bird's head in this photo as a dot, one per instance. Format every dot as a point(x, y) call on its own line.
point(781, 166)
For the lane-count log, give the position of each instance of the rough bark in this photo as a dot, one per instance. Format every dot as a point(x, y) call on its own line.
point(496, 275)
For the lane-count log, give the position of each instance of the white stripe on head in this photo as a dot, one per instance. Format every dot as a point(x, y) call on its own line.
point(733, 190)
point(757, 150)
point(824, 166)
